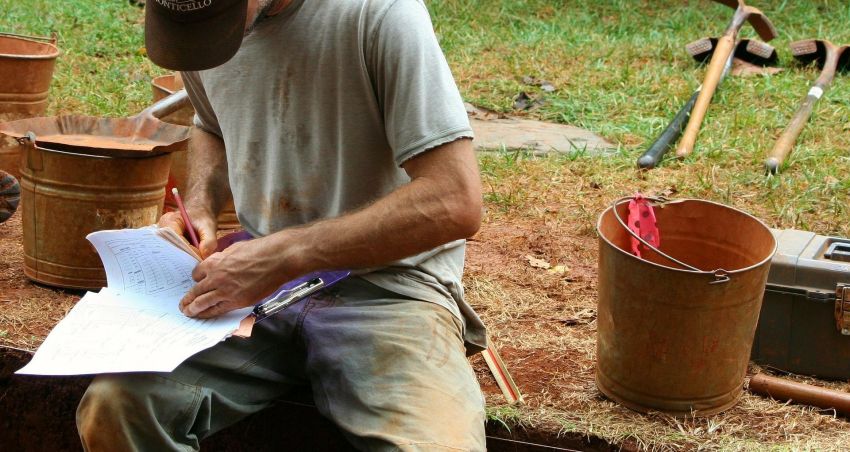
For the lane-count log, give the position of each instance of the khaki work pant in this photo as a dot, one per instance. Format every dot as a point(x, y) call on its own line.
point(391, 372)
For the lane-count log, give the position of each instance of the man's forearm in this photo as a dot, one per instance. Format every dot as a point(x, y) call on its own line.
point(207, 173)
point(442, 203)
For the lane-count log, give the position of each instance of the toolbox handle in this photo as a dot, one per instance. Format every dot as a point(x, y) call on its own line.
point(838, 251)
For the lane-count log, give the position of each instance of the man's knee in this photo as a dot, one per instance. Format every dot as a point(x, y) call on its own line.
point(136, 412)
point(103, 407)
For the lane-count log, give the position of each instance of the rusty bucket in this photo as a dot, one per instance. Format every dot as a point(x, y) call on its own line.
point(82, 174)
point(26, 69)
point(162, 87)
point(677, 338)
point(65, 196)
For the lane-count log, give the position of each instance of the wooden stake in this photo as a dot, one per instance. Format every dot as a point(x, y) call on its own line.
point(501, 374)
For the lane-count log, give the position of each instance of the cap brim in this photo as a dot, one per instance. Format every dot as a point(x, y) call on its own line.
point(195, 46)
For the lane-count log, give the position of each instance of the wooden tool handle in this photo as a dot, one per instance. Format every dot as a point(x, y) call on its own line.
point(786, 141)
point(725, 46)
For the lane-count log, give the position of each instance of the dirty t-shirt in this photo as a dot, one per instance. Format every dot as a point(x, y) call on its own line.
point(319, 109)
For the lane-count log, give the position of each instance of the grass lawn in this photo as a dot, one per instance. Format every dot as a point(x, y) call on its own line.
point(620, 70)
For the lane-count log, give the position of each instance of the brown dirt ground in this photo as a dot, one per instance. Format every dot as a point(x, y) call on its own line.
point(542, 321)
point(28, 311)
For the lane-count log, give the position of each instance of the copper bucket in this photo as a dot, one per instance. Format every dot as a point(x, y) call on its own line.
point(26, 70)
point(83, 174)
point(675, 332)
point(65, 196)
point(162, 87)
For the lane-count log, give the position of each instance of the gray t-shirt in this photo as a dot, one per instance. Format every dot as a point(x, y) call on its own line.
point(319, 109)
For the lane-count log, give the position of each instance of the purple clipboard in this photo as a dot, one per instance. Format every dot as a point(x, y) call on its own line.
point(290, 292)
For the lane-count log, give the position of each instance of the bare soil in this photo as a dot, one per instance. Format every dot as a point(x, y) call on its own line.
point(28, 311)
point(541, 319)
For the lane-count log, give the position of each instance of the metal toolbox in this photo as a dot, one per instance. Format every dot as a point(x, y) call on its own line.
point(804, 326)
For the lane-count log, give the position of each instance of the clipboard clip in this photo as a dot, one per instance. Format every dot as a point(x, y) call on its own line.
point(287, 298)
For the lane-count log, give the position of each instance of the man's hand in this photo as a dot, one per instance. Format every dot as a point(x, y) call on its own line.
point(441, 203)
point(204, 223)
point(234, 278)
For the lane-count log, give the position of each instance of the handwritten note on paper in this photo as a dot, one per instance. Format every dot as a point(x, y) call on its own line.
point(101, 335)
point(134, 324)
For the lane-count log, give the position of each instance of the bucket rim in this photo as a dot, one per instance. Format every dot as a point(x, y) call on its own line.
point(693, 272)
point(54, 53)
point(156, 83)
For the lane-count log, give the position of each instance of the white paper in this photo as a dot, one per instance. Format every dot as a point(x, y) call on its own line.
point(134, 325)
point(140, 263)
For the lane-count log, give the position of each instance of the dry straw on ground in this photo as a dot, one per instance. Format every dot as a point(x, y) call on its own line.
point(539, 318)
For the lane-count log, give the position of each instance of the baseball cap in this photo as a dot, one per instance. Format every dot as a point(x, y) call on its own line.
point(193, 35)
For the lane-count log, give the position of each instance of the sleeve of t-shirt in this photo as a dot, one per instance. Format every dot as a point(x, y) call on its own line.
point(421, 104)
point(205, 117)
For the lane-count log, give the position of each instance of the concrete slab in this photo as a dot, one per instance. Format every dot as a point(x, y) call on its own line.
point(495, 131)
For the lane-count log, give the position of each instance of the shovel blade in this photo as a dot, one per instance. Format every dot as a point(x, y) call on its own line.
point(763, 26)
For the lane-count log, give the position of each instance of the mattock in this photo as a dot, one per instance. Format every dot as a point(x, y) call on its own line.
point(725, 46)
point(750, 50)
point(830, 58)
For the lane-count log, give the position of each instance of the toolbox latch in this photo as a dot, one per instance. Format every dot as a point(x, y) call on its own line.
point(842, 308)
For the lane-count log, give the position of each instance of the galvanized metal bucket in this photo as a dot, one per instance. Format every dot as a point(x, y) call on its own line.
point(163, 86)
point(672, 338)
point(26, 70)
point(65, 196)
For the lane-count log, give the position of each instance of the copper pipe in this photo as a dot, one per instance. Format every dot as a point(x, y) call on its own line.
point(784, 390)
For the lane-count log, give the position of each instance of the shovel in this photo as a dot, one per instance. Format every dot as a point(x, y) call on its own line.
point(725, 46)
point(142, 135)
point(831, 58)
point(749, 50)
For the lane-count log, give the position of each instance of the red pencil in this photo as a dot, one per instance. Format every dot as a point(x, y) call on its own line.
point(192, 236)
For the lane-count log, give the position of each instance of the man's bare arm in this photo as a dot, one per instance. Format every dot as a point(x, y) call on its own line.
point(206, 188)
point(442, 203)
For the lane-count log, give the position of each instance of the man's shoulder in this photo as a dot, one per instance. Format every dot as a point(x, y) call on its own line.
point(368, 14)
point(374, 11)
point(377, 16)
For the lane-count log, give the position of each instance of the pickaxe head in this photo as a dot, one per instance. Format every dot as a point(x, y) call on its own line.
point(810, 51)
point(757, 19)
point(749, 50)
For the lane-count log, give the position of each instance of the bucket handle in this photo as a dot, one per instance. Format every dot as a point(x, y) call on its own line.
point(52, 39)
point(720, 275)
point(29, 139)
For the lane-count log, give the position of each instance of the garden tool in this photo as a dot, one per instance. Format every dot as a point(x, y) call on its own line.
point(749, 50)
point(725, 46)
point(830, 58)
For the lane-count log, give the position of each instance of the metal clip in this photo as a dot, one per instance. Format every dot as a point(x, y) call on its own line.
point(27, 139)
point(720, 276)
point(288, 297)
point(842, 308)
point(35, 161)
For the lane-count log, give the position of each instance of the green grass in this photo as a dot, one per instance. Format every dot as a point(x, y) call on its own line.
point(621, 71)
